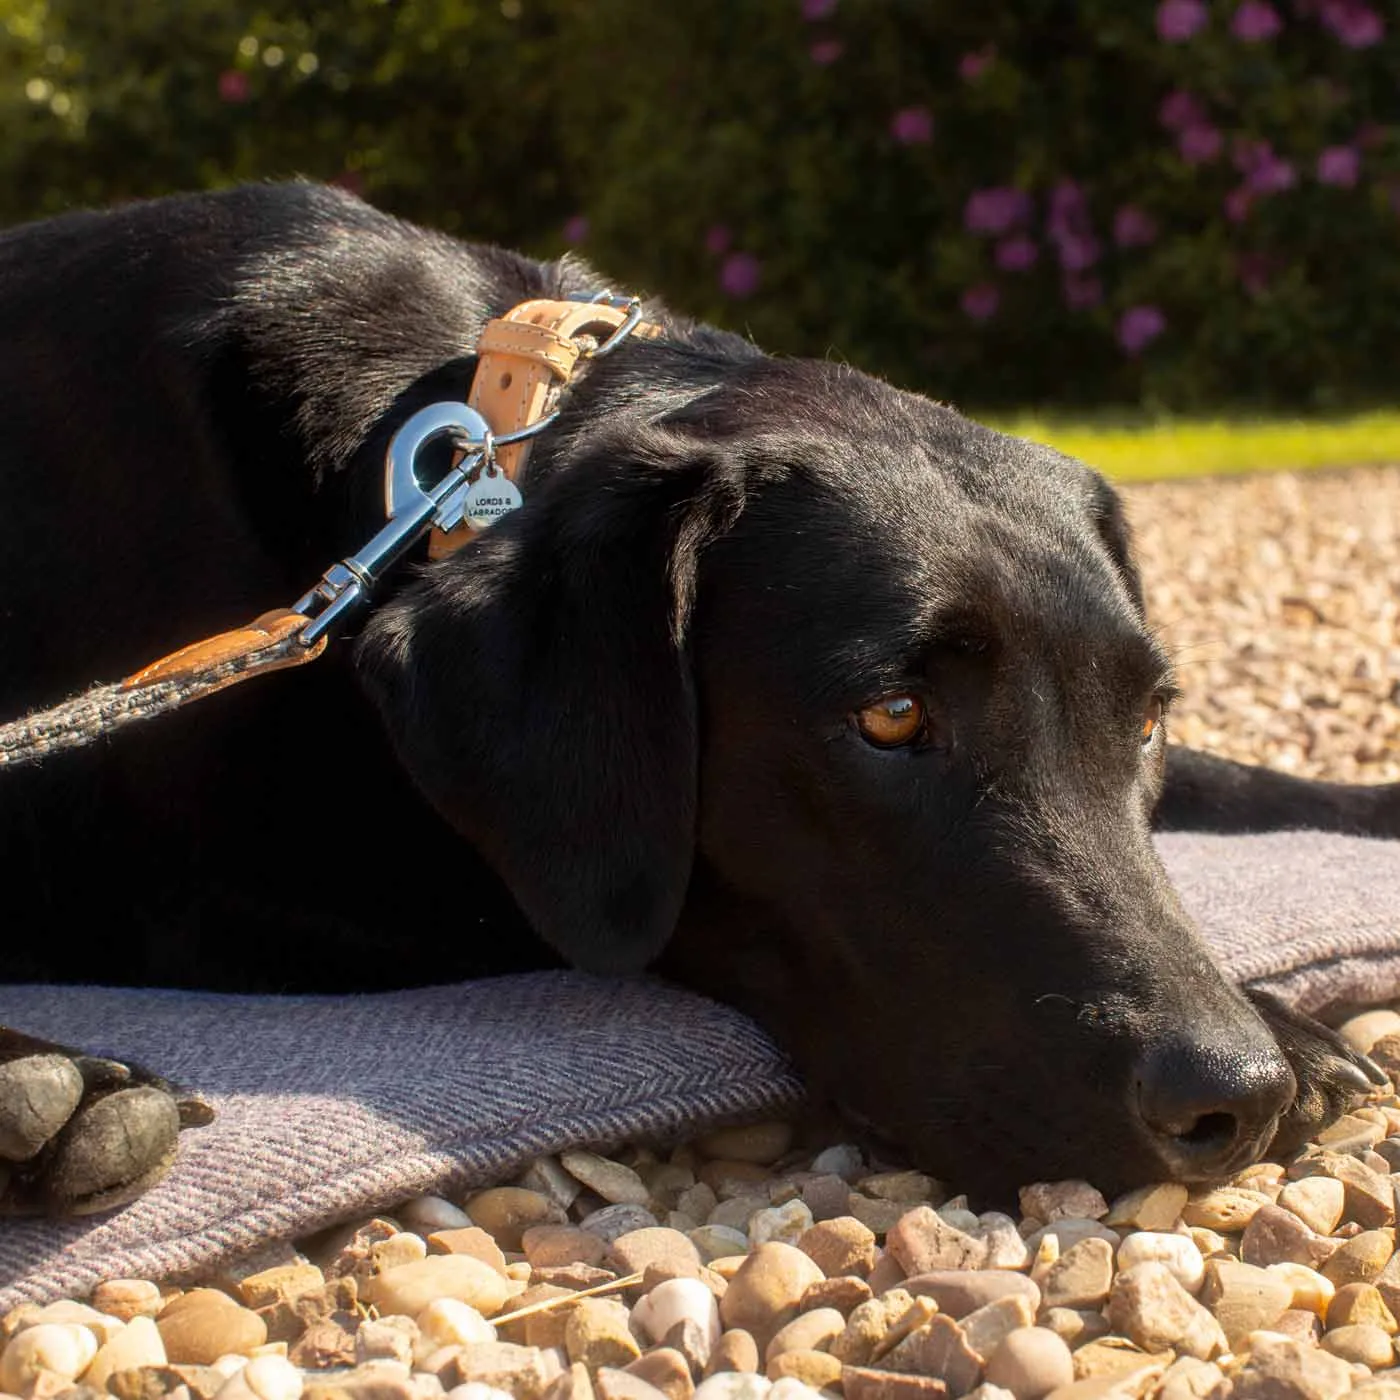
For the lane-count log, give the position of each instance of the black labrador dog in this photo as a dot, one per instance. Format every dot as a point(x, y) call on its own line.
point(809, 693)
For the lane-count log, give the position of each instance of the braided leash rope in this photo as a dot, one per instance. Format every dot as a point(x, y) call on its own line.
point(199, 671)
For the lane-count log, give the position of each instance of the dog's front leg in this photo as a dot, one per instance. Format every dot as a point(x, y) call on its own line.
point(79, 1133)
point(1205, 793)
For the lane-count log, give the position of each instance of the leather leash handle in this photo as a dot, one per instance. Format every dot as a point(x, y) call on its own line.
point(229, 657)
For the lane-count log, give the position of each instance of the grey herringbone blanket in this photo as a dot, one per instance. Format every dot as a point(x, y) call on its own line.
point(330, 1107)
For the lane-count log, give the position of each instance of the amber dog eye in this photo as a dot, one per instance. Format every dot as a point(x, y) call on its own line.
point(1151, 718)
point(895, 720)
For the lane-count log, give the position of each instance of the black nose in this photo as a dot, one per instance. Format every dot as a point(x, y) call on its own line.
point(1210, 1107)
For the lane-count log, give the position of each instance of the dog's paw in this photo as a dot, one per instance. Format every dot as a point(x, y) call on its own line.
point(79, 1134)
point(1329, 1072)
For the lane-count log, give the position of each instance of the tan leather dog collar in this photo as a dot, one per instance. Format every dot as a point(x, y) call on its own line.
point(526, 359)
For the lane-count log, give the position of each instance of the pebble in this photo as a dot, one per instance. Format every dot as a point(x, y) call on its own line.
point(411, 1287)
point(653, 1246)
point(1227, 1209)
point(817, 1369)
point(764, 1294)
point(506, 1212)
point(1067, 1233)
point(1062, 1200)
point(862, 1383)
point(1243, 1298)
point(1363, 1343)
point(1363, 1031)
point(786, 1223)
point(906, 1188)
point(550, 1246)
point(1312, 1291)
point(597, 1334)
point(1177, 1252)
point(938, 1348)
point(841, 1246)
point(810, 1331)
point(922, 1240)
point(1154, 1208)
point(1361, 1259)
point(547, 1178)
point(1278, 1236)
point(126, 1298)
point(959, 1292)
point(871, 1323)
point(1030, 1363)
point(1081, 1277)
point(843, 1160)
point(735, 1351)
point(523, 1372)
point(428, 1213)
point(734, 1385)
point(986, 1328)
point(451, 1322)
point(844, 1293)
point(879, 1216)
point(139, 1343)
point(1149, 1306)
point(674, 1302)
point(472, 1240)
point(615, 1183)
point(64, 1349)
point(204, 1324)
point(263, 1378)
point(613, 1221)
point(760, 1143)
point(667, 1370)
point(1317, 1201)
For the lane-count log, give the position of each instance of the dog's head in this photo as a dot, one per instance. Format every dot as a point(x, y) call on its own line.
point(844, 709)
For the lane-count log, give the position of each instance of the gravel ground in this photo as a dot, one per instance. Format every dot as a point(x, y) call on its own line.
point(1280, 598)
point(741, 1267)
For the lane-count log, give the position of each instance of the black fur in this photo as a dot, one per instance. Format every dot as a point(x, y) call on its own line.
point(616, 730)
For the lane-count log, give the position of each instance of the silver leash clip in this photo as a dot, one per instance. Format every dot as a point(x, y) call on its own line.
point(412, 509)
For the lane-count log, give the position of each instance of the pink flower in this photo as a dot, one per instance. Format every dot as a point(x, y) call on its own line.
point(813, 10)
point(1254, 21)
point(826, 51)
point(1081, 292)
point(1017, 253)
point(1180, 109)
point(1139, 326)
point(717, 239)
point(1237, 204)
point(995, 210)
point(980, 302)
point(739, 275)
point(233, 86)
point(1133, 228)
point(1199, 143)
point(1339, 165)
point(1353, 23)
point(1070, 229)
point(912, 126)
point(1264, 171)
point(575, 228)
point(1178, 20)
point(972, 65)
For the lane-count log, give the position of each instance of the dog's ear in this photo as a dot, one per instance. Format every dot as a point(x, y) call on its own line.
point(1113, 528)
point(536, 686)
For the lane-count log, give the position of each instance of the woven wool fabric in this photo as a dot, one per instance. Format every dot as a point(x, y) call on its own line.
point(332, 1107)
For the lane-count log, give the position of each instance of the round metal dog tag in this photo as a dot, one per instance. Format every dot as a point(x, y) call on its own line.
point(492, 495)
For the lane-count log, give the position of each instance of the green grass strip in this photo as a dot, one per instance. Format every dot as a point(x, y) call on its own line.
point(1129, 451)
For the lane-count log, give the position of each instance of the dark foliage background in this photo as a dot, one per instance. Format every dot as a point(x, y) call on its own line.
point(1069, 202)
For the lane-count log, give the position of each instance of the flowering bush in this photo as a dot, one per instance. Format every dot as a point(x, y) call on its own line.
point(1183, 202)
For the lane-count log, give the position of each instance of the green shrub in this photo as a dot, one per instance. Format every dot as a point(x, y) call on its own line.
point(1057, 202)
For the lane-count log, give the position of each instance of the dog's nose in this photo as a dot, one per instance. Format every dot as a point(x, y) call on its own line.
point(1211, 1107)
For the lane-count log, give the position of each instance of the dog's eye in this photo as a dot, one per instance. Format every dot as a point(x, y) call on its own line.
point(892, 721)
point(1151, 718)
